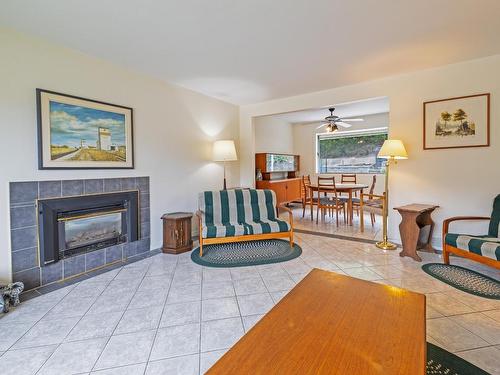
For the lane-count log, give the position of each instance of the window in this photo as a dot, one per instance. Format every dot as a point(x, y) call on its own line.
point(351, 151)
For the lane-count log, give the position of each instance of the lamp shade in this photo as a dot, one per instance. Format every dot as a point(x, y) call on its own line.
point(393, 149)
point(224, 151)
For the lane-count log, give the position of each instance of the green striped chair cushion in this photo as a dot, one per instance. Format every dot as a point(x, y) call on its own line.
point(495, 219)
point(221, 230)
point(486, 246)
point(228, 213)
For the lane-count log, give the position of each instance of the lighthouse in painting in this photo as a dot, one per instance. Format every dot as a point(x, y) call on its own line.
point(104, 139)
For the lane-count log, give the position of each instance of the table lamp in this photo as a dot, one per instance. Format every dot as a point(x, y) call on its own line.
point(224, 151)
point(392, 150)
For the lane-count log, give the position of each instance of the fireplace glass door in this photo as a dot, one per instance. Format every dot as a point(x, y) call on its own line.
point(91, 232)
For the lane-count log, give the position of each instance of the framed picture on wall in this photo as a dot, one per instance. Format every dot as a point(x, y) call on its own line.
point(78, 133)
point(457, 122)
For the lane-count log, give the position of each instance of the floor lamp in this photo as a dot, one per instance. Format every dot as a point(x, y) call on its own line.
point(224, 151)
point(392, 150)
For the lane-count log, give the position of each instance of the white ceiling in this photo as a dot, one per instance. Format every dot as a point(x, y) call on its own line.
point(255, 50)
point(355, 109)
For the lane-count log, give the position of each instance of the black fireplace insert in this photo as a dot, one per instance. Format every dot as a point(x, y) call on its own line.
point(75, 225)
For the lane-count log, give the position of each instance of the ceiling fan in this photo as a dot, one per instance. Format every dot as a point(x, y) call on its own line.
point(332, 121)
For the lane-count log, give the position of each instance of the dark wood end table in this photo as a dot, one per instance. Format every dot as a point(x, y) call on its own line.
point(177, 232)
point(416, 229)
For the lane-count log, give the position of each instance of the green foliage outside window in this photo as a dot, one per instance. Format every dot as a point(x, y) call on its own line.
point(351, 154)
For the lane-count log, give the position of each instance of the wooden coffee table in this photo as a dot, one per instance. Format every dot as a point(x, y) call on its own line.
point(335, 324)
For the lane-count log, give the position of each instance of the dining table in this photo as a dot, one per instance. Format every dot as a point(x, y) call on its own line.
point(348, 188)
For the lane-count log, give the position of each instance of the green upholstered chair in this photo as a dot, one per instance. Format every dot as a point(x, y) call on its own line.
point(483, 248)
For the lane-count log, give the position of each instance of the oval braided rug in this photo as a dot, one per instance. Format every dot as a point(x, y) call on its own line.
point(248, 253)
point(442, 362)
point(464, 279)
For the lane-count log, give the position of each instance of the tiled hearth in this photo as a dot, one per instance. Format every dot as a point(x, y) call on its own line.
point(24, 234)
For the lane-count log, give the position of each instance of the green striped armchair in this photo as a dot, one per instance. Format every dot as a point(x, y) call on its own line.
point(483, 248)
point(240, 215)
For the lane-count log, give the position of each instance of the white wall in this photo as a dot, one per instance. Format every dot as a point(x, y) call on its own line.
point(273, 135)
point(461, 181)
point(173, 127)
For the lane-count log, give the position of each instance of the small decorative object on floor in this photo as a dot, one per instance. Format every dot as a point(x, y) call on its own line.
point(9, 295)
point(177, 232)
point(466, 280)
point(440, 361)
point(248, 253)
point(416, 229)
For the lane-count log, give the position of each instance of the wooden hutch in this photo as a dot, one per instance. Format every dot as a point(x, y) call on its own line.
point(280, 174)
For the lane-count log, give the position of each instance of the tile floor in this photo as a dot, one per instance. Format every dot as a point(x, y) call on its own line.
point(328, 225)
point(167, 315)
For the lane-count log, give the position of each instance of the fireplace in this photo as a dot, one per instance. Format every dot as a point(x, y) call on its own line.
point(36, 205)
point(76, 225)
point(81, 232)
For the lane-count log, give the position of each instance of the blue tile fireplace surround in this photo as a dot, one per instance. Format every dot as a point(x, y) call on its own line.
point(27, 265)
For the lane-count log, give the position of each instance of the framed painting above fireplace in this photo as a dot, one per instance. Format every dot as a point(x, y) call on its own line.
point(79, 133)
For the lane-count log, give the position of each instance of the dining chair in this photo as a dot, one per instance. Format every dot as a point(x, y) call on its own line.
point(326, 185)
point(372, 203)
point(350, 178)
point(307, 195)
point(356, 201)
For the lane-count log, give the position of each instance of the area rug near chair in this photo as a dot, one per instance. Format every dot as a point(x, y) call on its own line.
point(440, 361)
point(464, 279)
point(249, 253)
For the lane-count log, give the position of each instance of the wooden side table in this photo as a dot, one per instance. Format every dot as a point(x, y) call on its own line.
point(177, 232)
point(416, 229)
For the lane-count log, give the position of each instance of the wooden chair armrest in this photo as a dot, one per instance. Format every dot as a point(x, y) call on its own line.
point(199, 215)
point(282, 206)
point(446, 222)
point(371, 196)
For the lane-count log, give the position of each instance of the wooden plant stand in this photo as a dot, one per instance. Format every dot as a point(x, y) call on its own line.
point(416, 229)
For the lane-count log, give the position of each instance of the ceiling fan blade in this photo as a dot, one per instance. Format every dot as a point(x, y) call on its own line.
point(352, 119)
point(322, 125)
point(343, 124)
